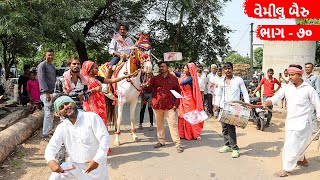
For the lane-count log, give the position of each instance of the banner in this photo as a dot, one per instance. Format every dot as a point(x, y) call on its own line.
point(172, 56)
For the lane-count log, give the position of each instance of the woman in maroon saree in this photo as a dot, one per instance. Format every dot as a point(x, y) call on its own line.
point(191, 106)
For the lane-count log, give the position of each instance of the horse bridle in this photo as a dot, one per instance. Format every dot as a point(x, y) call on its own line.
point(135, 74)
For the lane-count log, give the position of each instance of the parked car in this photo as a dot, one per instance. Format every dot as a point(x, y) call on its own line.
point(61, 70)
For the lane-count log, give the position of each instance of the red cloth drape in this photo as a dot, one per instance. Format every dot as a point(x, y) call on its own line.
point(192, 101)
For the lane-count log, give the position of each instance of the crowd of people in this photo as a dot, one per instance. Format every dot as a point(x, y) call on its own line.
point(77, 98)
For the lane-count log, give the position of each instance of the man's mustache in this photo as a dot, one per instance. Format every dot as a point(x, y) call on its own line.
point(76, 70)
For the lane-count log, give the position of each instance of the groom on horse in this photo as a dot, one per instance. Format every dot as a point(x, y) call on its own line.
point(119, 47)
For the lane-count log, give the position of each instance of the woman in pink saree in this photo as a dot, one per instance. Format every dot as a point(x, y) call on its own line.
point(191, 106)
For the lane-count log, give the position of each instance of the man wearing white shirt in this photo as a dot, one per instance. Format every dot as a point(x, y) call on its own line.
point(314, 81)
point(219, 77)
point(2, 71)
point(301, 98)
point(229, 90)
point(202, 79)
point(119, 46)
point(211, 87)
point(86, 140)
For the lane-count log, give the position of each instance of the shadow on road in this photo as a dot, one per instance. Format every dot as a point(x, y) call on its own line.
point(313, 166)
point(275, 127)
point(263, 149)
point(124, 154)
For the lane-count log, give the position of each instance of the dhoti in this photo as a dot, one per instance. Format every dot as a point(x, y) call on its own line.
point(294, 146)
point(79, 172)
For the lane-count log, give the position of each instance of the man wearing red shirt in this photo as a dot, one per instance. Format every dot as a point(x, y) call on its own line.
point(268, 90)
point(164, 102)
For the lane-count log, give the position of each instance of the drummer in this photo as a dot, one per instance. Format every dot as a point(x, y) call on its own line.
point(229, 90)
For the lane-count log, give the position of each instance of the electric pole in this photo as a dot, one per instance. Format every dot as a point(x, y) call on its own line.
point(251, 52)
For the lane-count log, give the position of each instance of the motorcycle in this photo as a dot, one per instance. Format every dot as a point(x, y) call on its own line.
point(258, 114)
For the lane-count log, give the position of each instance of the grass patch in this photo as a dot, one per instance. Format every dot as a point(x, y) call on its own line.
point(16, 163)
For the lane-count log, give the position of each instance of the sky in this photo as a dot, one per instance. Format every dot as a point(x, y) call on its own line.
point(234, 18)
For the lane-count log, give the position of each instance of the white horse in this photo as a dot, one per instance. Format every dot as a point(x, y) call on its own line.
point(128, 91)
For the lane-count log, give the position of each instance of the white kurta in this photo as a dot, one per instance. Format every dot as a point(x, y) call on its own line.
point(298, 123)
point(87, 139)
point(226, 93)
point(202, 79)
point(213, 84)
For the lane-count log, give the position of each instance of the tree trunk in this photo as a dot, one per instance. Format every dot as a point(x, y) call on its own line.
point(81, 46)
point(82, 50)
point(5, 58)
point(175, 40)
point(12, 118)
point(18, 133)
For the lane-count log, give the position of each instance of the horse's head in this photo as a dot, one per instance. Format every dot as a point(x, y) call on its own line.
point(143, 52)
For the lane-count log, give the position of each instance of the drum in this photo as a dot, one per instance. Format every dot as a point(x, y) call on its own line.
point(234, 114)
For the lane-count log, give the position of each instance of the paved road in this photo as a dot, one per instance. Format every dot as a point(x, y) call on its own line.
point(260, 156)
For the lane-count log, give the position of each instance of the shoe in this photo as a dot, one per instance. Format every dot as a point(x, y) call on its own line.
point(282, 173)
point(235, 153)
point(151, 128)
point(304, 162)
point(198, 138)
point(267, 125)
point(33, 109)
point(140, 127)
point(179, 148)
point(258, 127)
point(225, 149)
point(158, 145)
point(51, 131)
point(45, 137)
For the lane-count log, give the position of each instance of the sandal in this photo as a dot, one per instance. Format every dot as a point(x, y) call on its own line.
point(158, 145)
point(303, 163)
point(151, 128)
point(281, 173)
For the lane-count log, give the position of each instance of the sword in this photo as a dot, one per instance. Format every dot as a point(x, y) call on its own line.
point(313, 137)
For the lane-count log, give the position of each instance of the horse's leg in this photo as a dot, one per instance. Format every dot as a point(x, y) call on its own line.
point(120, 110)
point(133, 105)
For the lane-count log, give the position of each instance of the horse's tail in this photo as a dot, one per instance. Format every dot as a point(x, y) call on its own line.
point(111, 112)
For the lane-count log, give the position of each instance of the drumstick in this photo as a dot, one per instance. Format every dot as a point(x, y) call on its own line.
point(313, 137)
point(251, 105)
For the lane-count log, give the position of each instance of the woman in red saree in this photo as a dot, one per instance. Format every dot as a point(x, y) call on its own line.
point(191, 106)
point(96, 101)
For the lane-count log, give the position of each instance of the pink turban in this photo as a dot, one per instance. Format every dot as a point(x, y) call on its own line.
point(294, 70)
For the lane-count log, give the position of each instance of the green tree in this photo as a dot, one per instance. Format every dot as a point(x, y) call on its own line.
point(312, 21)
point(190, 27)
point(81, 24)
point(258, 56)
point(18, 36)
point(237, 58)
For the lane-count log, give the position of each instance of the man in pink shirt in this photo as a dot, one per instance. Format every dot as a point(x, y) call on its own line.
point(268, 90)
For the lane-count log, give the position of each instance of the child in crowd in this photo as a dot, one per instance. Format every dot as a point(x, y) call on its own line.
point(34, 92)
